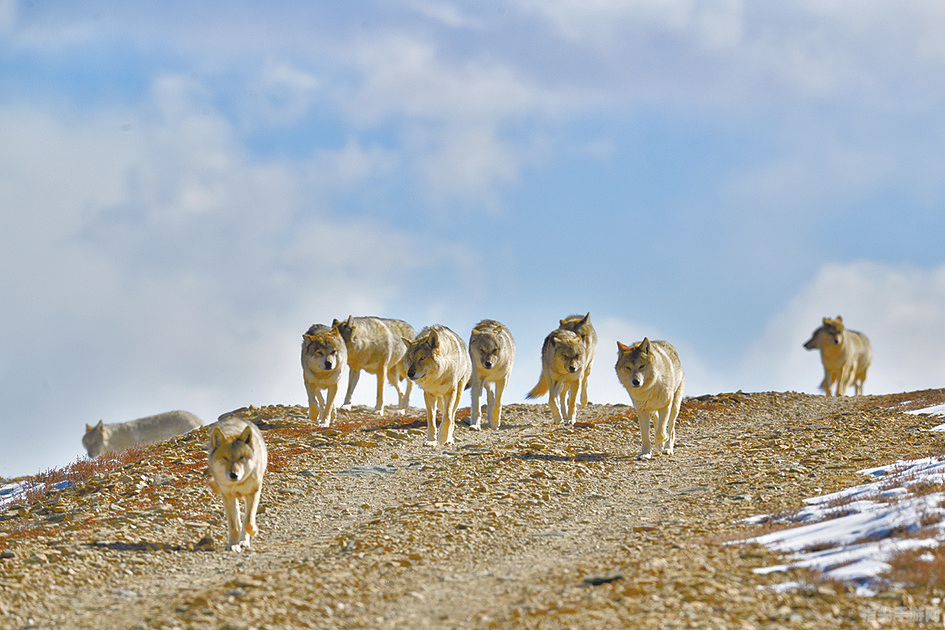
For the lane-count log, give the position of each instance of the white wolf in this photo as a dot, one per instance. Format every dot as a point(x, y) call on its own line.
point(492, 351)
point(107, 438)
point(374, 345)
point(653, 375)
point(439, 362)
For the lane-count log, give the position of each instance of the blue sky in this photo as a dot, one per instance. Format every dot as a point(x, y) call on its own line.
point(188, 186)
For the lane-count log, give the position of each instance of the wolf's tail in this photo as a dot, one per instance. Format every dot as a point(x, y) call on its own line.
point(538, 390)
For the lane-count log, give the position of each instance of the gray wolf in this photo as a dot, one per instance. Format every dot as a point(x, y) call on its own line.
point(439, 363)
point(238, 458)
point(581, 324)
point(492, 352)
point(107, 438)
point(563, 363)
point(653, 375)
point(374, 345)
point(324, 356)
point(846, 355)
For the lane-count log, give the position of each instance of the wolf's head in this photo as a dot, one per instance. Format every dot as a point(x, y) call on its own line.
point(232, 459)
point(568, 351)
point(634, 364)
point(580, 324)
point(830, 333)
point(345, 328)
point(420, 355)
point(94, 439)
point(322, 346)
point(485, 350)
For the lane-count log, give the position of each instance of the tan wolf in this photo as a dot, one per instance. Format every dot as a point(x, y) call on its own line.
point(492, 352)
point(108, 438)
point(439, 363)
point(374, 345)
point(846, 355)
point(563, 363)
point(581, 324)
point(238, 458)
point(653, 375)
point(324, 356)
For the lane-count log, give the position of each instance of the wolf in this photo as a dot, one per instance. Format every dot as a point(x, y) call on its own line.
point(653, 375)
point(439, 363)
point(492, 352)
point(563, 364)
point(846, 355)
point(107, 438)
point(581, 324)
point(237, 457)
point(374, 345)
point(324, 355)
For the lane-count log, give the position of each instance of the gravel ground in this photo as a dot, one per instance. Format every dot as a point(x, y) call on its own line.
point(530, 526)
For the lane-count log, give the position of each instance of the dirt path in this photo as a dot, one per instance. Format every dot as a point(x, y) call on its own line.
point(531, 526)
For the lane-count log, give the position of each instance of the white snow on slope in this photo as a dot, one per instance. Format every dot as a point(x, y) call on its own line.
point(851, 534)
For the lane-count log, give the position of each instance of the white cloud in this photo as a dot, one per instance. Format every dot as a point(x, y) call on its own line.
point(901, 310)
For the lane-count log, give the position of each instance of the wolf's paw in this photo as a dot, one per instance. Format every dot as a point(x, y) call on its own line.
point(645, 455)
point(399, 412)
point(345, 407)
point(235, 548)
point(323, 424)
point(429, 443)
point(475, 427)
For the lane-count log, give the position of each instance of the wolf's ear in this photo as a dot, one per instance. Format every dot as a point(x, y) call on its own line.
point(88, 427)
point(645, 345)
point(839, 319)
point(309, 337)
point(348, 321)
point(622, 348)
point(825, 321)
point(434, 339)
point(216, 438)
point(335, 323)
point(406, 341)
point(335, 331)
point(246, 437)
point(586, 318)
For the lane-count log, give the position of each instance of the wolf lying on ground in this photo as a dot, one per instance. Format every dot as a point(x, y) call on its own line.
point(581, 324)
point(439, 363)
point(653, 376)
point(108, 438)
point(324, 356)
point(492, 352)
point(374, 345)
point(237, 457)
point(563, 364)
point(845, 354)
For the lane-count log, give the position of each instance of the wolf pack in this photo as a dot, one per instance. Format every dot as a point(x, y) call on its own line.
point(442, 364)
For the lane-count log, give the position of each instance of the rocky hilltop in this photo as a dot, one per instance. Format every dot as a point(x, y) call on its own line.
point(530, 526)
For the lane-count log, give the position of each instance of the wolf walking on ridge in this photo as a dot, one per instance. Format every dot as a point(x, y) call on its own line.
point(439, 363)
point(581, 324)
point(374, 345)
point(237, 457)
point(846, 355)
point(492, 352)
point(652, 374)
point(324, 356)
point(109, 438)
point(563, 363)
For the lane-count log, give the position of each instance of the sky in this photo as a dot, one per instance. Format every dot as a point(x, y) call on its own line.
point(187, 187)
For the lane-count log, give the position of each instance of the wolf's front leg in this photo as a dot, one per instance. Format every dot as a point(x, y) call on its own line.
point(314, 402)
point(662, 416)
point(553, 395)
point(430, 401)
point(644, 434)
point(381, 376)
point(495, 404)
point(328, 406)
point(572, 402)
point(474, 410)
point(249, 521)
point(450, 404)
point(231, 509)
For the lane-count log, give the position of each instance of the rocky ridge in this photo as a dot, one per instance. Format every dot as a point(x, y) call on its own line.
point(530, 526)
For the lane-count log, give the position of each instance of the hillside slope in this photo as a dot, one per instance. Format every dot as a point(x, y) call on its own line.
point(531, 526)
